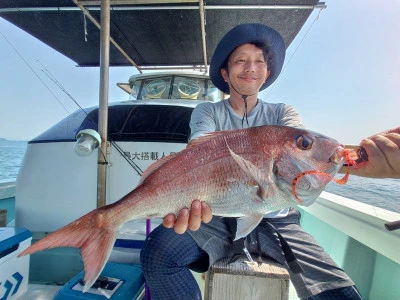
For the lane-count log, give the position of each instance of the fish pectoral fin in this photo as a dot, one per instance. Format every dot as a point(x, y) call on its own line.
point(264, 182)
point(245, 225)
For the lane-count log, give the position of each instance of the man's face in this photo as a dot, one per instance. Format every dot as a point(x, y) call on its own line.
point(247, 69)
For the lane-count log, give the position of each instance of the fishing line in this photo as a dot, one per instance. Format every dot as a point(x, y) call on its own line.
point(34, 72)
point(85, 26)
point(52, 78)
point(132, 163)
point(291, 57)
point(116, 146)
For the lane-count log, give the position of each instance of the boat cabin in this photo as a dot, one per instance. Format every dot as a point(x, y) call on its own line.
point(172, 85)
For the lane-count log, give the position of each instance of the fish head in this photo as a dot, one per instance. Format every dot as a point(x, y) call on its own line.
point(308, 161)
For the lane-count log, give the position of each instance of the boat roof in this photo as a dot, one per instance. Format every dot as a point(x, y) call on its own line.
point(163, 73)
point(134, 121)
point(148, 33)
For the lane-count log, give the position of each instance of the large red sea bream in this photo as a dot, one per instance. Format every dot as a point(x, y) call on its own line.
point(242, 173)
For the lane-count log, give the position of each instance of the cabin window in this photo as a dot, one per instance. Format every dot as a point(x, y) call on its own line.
point(156, 88)
point(175, 87)
point(213, 93)
point(135, 90)
point(187, 88)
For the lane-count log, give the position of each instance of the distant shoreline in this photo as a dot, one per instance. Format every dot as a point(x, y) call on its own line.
point(10, 143)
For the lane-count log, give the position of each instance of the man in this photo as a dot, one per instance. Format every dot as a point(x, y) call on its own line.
point(247, 60)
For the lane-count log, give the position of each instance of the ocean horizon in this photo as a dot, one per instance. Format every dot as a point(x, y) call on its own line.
point(383, 193)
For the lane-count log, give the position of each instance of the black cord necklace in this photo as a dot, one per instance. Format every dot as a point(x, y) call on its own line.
point(244, 97)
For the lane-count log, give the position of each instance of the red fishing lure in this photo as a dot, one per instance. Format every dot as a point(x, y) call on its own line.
point(349, 163)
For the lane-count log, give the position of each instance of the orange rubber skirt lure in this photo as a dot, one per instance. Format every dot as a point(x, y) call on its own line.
point(349, 163)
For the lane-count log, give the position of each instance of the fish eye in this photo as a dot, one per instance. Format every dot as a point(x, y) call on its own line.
point(304, 142)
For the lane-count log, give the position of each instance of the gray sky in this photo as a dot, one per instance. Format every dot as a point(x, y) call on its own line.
point(344, 78)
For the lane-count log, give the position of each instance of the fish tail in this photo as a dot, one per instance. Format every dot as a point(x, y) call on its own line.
point(94, 234)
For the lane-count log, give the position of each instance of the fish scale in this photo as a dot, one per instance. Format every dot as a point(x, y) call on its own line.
point(242, 173)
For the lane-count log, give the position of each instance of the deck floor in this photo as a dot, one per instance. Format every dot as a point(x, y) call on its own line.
point(40, 292)
point(292, 292)
point(47, 292)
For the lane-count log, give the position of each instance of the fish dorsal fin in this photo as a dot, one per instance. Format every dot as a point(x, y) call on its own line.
point(154, 166)
point(264, 183)
point(159, 163)
point(245, 225)
point(204, 138)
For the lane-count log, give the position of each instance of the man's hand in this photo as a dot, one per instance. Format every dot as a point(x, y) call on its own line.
point(383, 151)
point(199, 212)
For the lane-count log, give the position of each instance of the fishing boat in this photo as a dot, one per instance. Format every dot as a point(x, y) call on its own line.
point(170, 43)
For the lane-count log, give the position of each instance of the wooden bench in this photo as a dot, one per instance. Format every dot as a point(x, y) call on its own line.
point(243, 279)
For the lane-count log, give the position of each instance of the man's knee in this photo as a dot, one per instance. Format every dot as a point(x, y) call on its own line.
point(155, 246)
point(164, 247)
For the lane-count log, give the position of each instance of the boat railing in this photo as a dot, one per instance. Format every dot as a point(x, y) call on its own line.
point(7, 202)
point(362, 222)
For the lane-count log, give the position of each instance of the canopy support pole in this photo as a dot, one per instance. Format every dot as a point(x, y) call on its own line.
point(103, 102)
point(203, 34)
point(94, 21)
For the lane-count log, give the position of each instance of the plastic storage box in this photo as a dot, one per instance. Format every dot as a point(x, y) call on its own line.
point(117, 281)
point(14, 271)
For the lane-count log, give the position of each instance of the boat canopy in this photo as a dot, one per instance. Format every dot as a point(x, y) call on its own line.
point(151, 32)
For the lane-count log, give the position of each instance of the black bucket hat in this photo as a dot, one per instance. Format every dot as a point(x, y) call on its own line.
point(242, 34)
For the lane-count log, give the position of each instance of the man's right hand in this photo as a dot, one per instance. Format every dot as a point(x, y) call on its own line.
point(383, 151)
point(199, 212)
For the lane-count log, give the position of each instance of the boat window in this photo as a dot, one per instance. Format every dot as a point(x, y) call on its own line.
point(128, 122)
point(175, 87)
point(135, 90)
point(213, 93)
point(156, 88)
point(152, 123)
point(187, 88)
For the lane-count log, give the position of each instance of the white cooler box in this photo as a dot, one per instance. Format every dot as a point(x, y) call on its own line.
point(14, 271)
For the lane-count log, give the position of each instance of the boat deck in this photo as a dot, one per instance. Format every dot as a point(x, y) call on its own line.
point(40, 292)
point(47, 292)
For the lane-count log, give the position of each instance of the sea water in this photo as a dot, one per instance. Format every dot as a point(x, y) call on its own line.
point(383, 193)
point(10, 161)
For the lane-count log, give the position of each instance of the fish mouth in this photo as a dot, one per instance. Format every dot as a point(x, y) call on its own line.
point(338, 156)
point(308, 185)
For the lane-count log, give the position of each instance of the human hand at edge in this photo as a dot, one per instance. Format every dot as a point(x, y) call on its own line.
point(383, 151)
point(199, 212)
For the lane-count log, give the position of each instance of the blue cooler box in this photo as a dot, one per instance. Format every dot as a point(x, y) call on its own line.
point(14, 271)
point(117, 281)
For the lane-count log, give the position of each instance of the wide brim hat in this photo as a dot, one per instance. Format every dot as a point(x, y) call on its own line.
point(243, 34)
